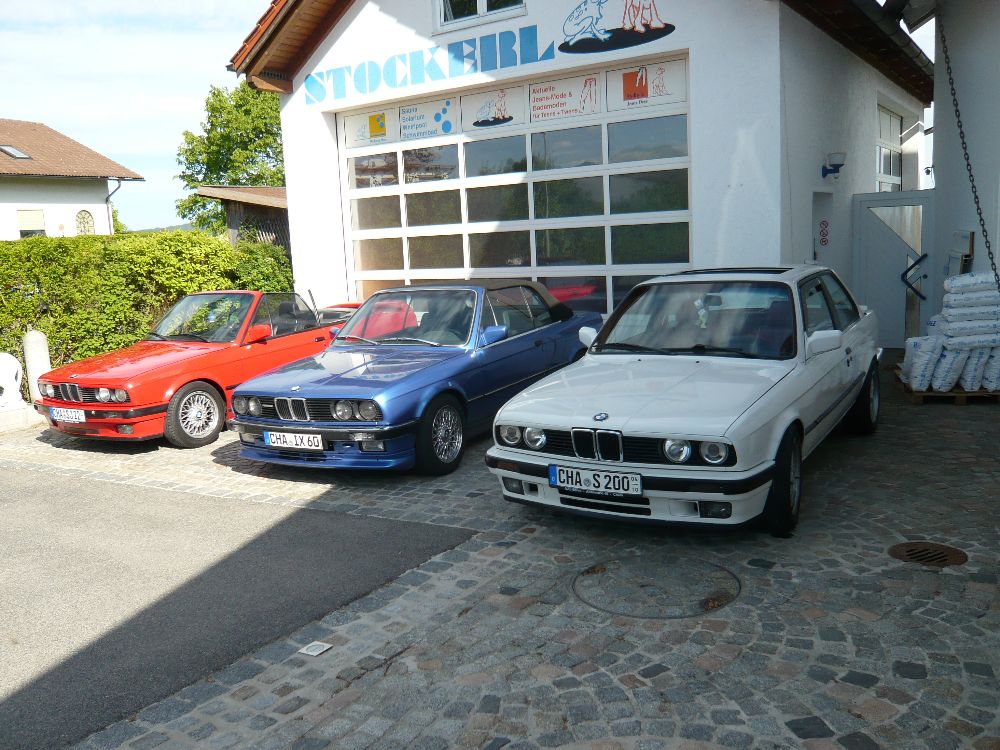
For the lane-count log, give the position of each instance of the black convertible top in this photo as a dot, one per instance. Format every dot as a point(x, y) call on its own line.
point(557, 309)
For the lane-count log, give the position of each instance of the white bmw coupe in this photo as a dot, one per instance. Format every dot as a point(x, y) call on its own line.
point(697, 401)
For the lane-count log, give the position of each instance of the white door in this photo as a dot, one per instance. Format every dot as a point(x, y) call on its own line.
point(896, 268)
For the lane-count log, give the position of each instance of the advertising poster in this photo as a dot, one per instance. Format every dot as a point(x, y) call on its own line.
point(492, 109)
point(565, 98)
point(644, 85)
point(429, 119)
point(372, 128)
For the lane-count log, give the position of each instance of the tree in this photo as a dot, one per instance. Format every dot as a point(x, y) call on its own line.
point(117, 226)
point(240, 144)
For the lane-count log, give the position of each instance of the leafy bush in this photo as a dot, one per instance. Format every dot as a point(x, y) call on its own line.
point(92, 294)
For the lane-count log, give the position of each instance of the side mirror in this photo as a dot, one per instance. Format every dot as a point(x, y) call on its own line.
point(334, 331)
point(258, 333)
point(587, 336)
point(492, 334)
point(824, 341)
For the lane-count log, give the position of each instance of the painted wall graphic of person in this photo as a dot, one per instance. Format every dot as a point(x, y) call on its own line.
point(588, 96)
point(639, 14)
point(659, 86)
point(585, 22)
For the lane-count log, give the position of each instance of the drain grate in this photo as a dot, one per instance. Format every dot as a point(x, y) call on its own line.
point(928, 553)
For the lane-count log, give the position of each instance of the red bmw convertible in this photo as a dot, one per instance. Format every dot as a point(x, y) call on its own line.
point(177, 382)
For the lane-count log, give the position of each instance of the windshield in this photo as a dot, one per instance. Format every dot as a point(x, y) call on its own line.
point(204, 317)
point(732, 319)
point(428, 317)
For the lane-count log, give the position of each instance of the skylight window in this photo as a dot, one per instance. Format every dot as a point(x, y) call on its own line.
point(14, 151)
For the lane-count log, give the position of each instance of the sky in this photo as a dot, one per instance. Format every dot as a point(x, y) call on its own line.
point(125, 78)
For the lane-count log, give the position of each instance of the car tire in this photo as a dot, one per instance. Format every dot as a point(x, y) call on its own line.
point(195, 416)
point(441, 436)
point(862, 419)
point(781, 512)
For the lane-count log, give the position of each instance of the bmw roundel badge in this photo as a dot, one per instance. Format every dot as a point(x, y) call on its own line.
point(600, 417)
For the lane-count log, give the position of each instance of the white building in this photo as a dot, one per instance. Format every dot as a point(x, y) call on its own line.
point(588, 144)
point(52, 185)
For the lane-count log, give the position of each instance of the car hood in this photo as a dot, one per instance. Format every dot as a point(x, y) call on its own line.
point(648, 395)
point(348, 371)
point(122, 365)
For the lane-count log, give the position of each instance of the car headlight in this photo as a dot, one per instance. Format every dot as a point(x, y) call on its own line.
point(677, 451)
point(510, 434)
point(253, 406)
point(120, 395)
point(104, 394)
point(369, 411)
point(714, 453)
point(534, 438)
point(240, 404)
point(46, 389)
point(343, 410)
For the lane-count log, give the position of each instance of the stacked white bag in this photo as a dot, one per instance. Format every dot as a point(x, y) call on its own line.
point(963, 342)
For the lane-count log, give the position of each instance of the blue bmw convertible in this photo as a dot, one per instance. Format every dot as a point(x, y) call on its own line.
point(413, 373)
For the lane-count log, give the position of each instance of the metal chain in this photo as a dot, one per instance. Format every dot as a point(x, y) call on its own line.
point(965, 150)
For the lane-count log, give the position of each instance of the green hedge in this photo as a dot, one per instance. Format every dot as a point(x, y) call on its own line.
point(93, 294)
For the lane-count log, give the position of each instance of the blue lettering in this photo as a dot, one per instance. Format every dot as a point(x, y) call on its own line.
point(508, 49)
point(337, 78)
point(367, 77)
point(422, 69)
point(315, 88)
point(461, 58)
point(390, 72)
point(488, 53)
point(529, 46)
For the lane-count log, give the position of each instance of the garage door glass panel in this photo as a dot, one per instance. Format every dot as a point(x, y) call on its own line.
point(500, 249)
point(433, 208)
point(622, 285)
point(501, 203)
point(559, 198)
point(376, 213)
point(649, 191)
point(561, 149)
point(436, 252)
point(584, 293)
point(655, 138)
point(368, 287)
point(495, 156)
point(373, 170)
point(431, 163)
point(650, 243)
point(383, 254)
point(577, 246)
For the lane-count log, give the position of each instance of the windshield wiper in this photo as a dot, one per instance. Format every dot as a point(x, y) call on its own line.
point(357, 338)
point(154, 336)
point(187, 336)
point(626, 347)
point(411, 338)
point(703, 349)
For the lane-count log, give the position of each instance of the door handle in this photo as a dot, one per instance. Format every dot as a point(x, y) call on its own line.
point(539, 342)
point(320, 338)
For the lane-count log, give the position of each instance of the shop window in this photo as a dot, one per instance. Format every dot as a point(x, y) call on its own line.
point(562, 149)
point(501, 203)
point(436, 252)
point(559, 198)
point(31, 222)
point(500, 249)
point(650, 243)
point(583, 293)
point(655, 138)
point(382, 254)
point(649, 191)
point(495, 156)
point(84, 222)
point(373, 170)
point(575, 246)
point(442, 207)
point(456, 11)
point(375, 213)
point(429, 164)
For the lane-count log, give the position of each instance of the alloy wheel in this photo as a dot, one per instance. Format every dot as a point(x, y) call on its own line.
point(446, 434)
point(198, 414)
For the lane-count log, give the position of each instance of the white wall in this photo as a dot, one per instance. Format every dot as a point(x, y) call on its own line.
point(829, 102)
point(734, 123)
point(59, 198)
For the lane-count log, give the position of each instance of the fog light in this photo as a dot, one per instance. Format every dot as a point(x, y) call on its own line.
point(247, 438)
point(125, 429)
point(372, 446)
point(708, 509)
point(513, 485)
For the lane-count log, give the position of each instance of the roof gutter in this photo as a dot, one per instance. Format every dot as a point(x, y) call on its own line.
point(887, 19)
point(107, 203)
point(270, 23)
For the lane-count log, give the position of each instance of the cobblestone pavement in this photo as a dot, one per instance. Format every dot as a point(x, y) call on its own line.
point(552, 631)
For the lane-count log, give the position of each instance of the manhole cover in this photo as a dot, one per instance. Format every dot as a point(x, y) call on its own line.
point(656, 587)
point(928, 553)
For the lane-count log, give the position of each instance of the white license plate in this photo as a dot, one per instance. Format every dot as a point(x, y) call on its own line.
point(67, 415)
point(595, 482)
point(293, 440)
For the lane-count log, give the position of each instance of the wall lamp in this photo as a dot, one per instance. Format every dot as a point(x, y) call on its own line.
point(834, 161)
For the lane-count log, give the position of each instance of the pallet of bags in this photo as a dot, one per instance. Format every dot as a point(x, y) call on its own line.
point(991, 372)
point(919, 361)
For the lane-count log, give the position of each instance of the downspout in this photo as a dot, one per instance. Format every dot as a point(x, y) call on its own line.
point(107, 202)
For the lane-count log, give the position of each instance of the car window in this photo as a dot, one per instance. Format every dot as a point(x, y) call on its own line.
point(435, 317)
point(815, 310)
point(285, 313)
point(843, 305)
point(214, 317)
point(508, 307)
point(539, 311)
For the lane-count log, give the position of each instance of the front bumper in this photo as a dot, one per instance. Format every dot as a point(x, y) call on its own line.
point(668, 496)
point(112, 422)
point(341, 445)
